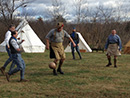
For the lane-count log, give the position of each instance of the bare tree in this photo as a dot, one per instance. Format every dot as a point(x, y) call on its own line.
point(81, 9)
point(8, 8)
point(105, 13)
point(57, 11)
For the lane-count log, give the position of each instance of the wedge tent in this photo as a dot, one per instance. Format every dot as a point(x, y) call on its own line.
point(32, 43)
point(127, 48)
point(83, 46)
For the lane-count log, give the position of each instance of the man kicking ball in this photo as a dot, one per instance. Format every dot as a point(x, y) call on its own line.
point(113, 47)
point(54, 41)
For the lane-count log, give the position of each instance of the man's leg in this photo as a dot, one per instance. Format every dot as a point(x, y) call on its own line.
point(18, 68)
point(22, 72)
point(109, 61)
point(7, 62)
point(72, 48)
point(59, 67)
point(77, 49)
point(115, 60)
point(12, 66)
point(54, 70)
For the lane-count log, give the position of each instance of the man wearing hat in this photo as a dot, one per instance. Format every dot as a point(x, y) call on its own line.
point(75, 38)
point(113, 47)
point(54, 41)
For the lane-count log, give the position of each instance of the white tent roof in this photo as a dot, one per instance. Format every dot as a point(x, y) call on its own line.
point(32, 43)
point(82, 45)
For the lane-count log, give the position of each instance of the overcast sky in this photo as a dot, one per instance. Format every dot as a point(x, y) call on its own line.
point(40, 8)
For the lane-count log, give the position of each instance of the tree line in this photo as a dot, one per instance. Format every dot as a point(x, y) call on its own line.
point(94, 24)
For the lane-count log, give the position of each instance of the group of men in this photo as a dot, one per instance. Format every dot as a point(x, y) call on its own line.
point(55, 38)
point(13, 50)
point(54, 43)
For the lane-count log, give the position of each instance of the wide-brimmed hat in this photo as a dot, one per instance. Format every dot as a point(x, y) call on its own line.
point(60, 24)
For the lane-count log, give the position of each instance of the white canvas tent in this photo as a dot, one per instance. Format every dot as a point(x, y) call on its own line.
point(32, 43)
point(83, 46)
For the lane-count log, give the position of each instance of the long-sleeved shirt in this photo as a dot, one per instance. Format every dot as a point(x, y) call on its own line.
point(55, 36)
point(112, 39)
point(7, 37)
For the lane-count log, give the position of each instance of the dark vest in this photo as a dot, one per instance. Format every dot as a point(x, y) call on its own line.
point(76, 38)
point(13, 50)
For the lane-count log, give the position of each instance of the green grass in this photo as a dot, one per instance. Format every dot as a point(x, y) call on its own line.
point(86, 78)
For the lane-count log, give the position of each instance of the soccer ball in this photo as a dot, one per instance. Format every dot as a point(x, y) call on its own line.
point(52, 65)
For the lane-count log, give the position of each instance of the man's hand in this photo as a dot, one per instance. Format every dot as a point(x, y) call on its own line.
point(23, 40)
point(105, 49)
point(77, 44)
point(47, 47)
point(18, 50)
point(18, 38)
point(74, 45)
point(8, 46)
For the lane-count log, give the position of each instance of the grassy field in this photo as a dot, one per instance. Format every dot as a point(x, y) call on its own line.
point(86, 78)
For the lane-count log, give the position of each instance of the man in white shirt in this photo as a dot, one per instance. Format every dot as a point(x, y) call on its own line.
point(7, 37)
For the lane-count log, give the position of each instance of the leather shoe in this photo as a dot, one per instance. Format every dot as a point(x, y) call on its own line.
point(23, 80)
point(60, 71)
point(2, 70)
point(7, 77)
point(54, 72)
point(115, 66)
point(108, 64)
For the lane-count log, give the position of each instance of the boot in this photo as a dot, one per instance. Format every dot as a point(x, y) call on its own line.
point(60, 71)
point(2, 70)
point(59, 68)
point(7, 77)
point(109, 62)
point(115, 63)
point(54, 72)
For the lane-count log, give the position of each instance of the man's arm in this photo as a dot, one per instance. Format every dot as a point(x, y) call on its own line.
point(15, 45)
point(48, 37)
point(68, 36)
point(77, 39)
point(7, 37)
point(120, 45)
point(47, 44)
point(72, 41)
point(107, 43)
point(21, 42)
